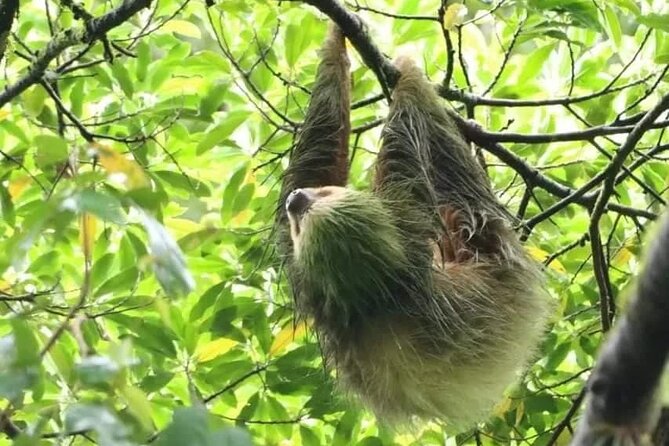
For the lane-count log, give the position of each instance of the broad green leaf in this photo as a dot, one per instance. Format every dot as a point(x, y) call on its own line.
point(34, 100)
point(294, 43)
point(613, 25)
point(222, 131)
point(143, 60)
point(121, 74)
point(77, 97)
point(189, 427)
point(167, 260)
point(51, 149)
point(535, 62)
point(123, 281)
point(231, 191)
point(654, 20)
point(139, 406)
point(631, 5)
point(243, 198)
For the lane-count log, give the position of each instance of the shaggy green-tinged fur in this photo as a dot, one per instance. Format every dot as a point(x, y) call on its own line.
point(410, 332)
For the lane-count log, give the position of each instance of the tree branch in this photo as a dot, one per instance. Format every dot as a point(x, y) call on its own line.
point(95, 29)
point(621, 405)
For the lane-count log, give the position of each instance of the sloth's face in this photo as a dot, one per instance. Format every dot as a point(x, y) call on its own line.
point(341, 227)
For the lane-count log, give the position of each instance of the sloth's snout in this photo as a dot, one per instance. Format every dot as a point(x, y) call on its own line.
point(299, 201)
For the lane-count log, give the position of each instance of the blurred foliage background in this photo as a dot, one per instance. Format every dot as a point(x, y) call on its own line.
point(141, 146)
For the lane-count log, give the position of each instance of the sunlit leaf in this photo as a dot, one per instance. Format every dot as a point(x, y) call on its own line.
point(183, 27)
point(214, 349)
point(223, 130)
point(289, 333)
point(454, 15)
point(132, 173)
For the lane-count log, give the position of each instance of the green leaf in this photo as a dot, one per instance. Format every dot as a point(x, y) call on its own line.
point(123, 281)
point(168, 262)
point(535, 62)
point(220, 132)
point(345, 428)
point(243, 198)
point(51, 149)
point(100, 269)
point(143, 60)
point(309, 438)
point(654, 20)
point(25, 343)
point(77, 97)
point(212, 101)
point(231, 191)
point(631, 5)
point(296, 42)
point(189, 427)
point(558, 355)
point(7, 213)
point(139, 406)
point(121, 74)
point(613, 25)
point(34, 100)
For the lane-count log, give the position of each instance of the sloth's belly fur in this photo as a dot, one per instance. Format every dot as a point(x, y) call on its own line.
point(404, 367)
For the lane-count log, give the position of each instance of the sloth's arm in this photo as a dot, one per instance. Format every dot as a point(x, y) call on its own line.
point(320, 156)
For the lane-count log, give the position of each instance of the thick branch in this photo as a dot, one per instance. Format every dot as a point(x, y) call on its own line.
point(352, 27)
point(621, 406)
point(534, 177)
point(95, 29)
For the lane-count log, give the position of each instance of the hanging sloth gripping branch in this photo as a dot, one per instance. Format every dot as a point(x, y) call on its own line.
point(423, 299)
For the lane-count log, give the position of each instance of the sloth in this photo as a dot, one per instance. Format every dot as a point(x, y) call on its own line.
point(423, 300)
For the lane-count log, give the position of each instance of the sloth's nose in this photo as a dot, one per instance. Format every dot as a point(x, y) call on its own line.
point(299, 201)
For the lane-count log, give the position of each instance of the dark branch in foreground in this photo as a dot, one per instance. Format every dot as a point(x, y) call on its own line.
point(95, 29)
point(621, 406)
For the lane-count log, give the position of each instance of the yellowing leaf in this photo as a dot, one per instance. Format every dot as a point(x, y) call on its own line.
point(115, 163)
point(520, 411)
point(184, 85)
point(502, 407)
point(87, 234)
point(541, 255)
point(288, 334)
point(183, 27)
point(182, 225)
point(16, 186)
point(214, 349)
point(454, 15)
point(622, 257)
